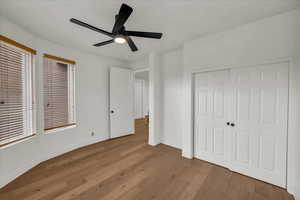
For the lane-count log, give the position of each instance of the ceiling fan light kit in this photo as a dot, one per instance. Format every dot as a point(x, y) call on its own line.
point(119, 34)
point(119, 40)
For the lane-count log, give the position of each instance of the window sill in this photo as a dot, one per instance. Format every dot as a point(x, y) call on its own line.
point(14, 142)
point(56, 130)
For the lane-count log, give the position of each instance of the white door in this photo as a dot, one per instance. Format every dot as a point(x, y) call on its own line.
point(255, 141)
point(121, 102)
point(211, 100)
point(260, 108)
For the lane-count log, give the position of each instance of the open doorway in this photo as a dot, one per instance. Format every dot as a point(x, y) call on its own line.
point(141, 102)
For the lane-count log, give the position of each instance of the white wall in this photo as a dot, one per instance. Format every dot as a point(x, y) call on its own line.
point(91, 106)
point(267, 40)
point(172, 75)
point(146, 98)
point(138, 98)
point(141, 102)
point(296, 145)
point(155, 99)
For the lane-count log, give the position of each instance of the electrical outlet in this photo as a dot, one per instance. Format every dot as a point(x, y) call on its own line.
point(92, 134)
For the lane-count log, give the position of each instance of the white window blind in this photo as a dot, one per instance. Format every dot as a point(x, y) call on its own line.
point(58, 94)
point(16, 93)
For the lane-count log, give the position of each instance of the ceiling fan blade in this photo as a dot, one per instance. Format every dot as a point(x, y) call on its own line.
point(103, 43)
point(144, 34)
point(131, 44)
point(80, 23)
point(124, 13)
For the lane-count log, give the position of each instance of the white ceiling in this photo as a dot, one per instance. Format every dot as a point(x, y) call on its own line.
point(179, 20)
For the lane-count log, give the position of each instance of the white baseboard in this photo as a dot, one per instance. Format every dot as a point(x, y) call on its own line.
point(187, 155)
point(296, 193)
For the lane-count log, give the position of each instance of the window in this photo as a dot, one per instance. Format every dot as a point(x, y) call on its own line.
point(16, 91)
point(59, 98)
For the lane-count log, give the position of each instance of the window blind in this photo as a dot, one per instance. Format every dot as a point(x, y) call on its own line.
point(13, 103)
point(57, 95)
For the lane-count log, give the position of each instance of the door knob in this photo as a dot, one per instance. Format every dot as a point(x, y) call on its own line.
point(112, 111)
point(232, 124)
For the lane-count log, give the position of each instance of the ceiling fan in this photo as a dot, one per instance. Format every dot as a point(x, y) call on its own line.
point(119, 34)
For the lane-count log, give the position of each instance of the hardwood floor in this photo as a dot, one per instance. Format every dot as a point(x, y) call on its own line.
point(128, 169)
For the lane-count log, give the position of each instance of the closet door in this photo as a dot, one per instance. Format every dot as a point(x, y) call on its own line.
point(211, 110)
point(259, 115)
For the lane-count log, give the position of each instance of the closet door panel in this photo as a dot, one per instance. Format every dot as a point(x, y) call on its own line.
point(260, 104)
point(211, 113)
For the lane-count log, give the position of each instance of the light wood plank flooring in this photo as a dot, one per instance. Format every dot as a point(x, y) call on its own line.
point(128, 169)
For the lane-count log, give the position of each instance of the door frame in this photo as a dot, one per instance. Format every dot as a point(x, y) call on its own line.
point(134, 79)
point(188, 102)
point(154, 135)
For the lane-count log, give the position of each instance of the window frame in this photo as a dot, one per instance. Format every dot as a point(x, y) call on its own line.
point(71, 74)
point(29, 91)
